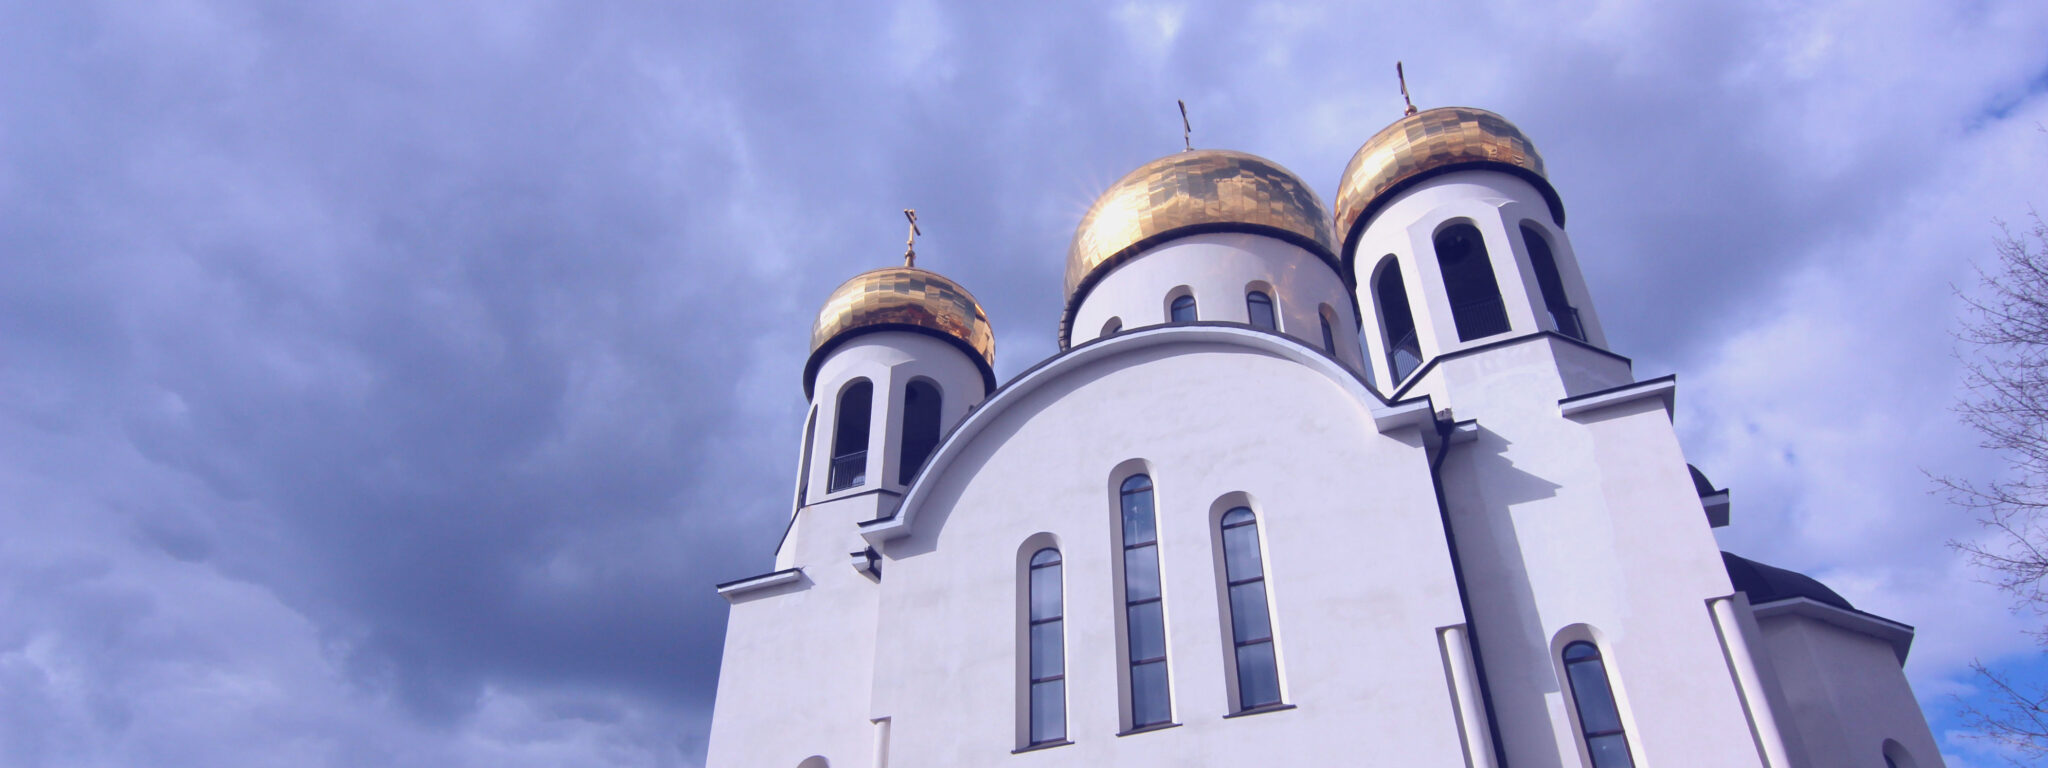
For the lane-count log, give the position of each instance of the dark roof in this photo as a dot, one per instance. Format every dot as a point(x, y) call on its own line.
point(1767, 584)
point(1701, 483)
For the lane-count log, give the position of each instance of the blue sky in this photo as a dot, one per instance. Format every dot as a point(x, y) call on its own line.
point(385, 383)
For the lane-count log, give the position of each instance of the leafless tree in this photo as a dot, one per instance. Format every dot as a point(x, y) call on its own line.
point(2005, 358)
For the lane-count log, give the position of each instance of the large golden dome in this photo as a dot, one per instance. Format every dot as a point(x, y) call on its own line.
point(903, 299)
point(1205, 190)
point(1427, 143)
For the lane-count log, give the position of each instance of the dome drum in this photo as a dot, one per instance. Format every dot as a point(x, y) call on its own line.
point(1191, 193)
point(903, 299)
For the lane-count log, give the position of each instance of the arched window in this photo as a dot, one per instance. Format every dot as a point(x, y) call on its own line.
point(1259, 307)
point(1144, 615)
point(1547, 279)
point(1183, 310)
point(803, 469)
point(1599, 718)
point(920, 428)
point(1048, 650)
point(850, 437)
point(1895, 756)
point(814, 761)
point(1397, 324)
point(1251, 625)
point(1329, 331)
point(1111, 327)
point(1476, 307)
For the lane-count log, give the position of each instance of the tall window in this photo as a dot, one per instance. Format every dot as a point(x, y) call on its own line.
point(1599, 719)
point(1048, 650)
point(850, 438)
point(1259, 307)
point(1404, 353)
point(1144, 616)
point(1251, 625)
point(1476, 307)
point(920, 428)
point(1183, 310)
point(1547, 279)
point(1329, 333)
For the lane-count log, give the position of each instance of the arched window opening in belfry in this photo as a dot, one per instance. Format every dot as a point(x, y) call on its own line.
point(920, 427)
point(1182, 310)
point(1397, 323)
point(850, 437)
point(1544, 263)
point(1469, 284)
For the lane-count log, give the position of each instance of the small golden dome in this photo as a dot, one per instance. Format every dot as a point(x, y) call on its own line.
point(1206, 190)
point(903, 299)
point(1429, 142)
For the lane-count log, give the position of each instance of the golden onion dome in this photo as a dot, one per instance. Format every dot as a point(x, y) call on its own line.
point(1428, 143)
point(903, 299)
point(1205, 190)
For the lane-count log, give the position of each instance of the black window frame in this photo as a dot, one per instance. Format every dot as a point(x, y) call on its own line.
point(1034, 682)
point(1253, 300)
point(1231, 582)
point(1580, 700)
point(1131, 488)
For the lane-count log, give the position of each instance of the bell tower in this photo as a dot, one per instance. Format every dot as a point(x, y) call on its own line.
point(1455, 239)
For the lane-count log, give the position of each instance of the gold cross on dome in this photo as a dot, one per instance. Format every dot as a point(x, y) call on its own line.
point(1186, 145)
point(910, 243)
point(1403, 77)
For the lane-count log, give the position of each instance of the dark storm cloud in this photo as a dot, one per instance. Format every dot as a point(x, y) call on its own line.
point(387, 383)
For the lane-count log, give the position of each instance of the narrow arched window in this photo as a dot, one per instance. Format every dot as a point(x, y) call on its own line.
point(850, 437)
point(1144, 615)
point(1895, 755)
point(920, 428)
point(1476, 306)
point(1329, 332)
point(1251, 624)
point(1048, 650)
point(1552, 285)
point(1183, 310)
point(1397, 324)
point(1111, 327)
point(1599, 718)
point(1259, 308)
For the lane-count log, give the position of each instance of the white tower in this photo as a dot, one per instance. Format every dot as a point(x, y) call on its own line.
point(898, 357)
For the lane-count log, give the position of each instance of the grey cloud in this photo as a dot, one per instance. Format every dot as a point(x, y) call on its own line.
point(432, 361)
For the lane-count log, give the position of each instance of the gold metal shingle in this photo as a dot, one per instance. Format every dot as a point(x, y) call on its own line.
point(1429, 140)
point(1206, 189)
point(905, 296)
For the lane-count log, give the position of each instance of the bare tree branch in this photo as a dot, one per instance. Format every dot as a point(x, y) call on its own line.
point(2003, 346)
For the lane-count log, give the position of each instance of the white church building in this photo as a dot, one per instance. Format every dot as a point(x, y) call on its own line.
point(1298, 489)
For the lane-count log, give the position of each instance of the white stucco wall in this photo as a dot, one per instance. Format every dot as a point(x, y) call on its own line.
point(1358, 569)
point(1588, 526)
point(1846, 694)
point(1218, 269)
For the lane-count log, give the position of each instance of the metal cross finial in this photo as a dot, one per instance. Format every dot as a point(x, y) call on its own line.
point(910, 244)
point(1403, 77)
point(1186, 130)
